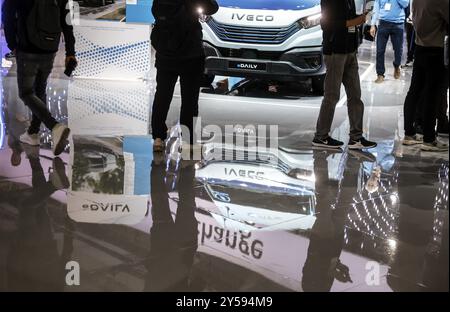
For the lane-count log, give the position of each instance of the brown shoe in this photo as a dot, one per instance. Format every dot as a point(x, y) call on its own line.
point(397, 73)
point(380, 79)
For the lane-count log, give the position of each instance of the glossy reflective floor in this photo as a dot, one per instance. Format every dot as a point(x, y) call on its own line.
point(283, 219)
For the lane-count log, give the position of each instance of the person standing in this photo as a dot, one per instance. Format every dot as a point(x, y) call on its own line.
point(390, 17)
point(431, 20)
point(340, 43)
point(410, 38)
point(177, 39)
point(10, 54)
point(33, 30)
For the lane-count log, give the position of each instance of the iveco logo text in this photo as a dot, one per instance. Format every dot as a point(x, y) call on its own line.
point(250, 174)
point(252, 18)
point(247, 66)
point(107, 207)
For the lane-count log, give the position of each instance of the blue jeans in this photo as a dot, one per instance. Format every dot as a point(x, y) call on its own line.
point(395, 32)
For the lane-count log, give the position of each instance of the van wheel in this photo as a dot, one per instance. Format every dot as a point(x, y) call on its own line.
point(207, 80)
point(318, 84)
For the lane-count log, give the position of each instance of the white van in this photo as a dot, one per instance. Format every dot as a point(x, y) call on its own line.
point(268, 39)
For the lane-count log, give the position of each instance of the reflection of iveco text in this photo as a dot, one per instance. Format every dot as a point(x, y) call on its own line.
point(272, 39)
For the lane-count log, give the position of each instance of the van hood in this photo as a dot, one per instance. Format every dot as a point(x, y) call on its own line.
point(265, 13)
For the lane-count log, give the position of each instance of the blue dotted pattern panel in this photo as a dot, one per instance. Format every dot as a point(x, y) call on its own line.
point(129, 58)
point(103, 97)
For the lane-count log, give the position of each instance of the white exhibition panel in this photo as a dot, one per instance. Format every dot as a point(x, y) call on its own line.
point(113, 108)
point(112, 50)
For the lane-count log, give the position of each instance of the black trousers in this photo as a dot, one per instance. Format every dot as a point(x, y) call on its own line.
point(190, 75)
point(173, 243)
point(33, 71)
point(428, 80)
point(410, 39)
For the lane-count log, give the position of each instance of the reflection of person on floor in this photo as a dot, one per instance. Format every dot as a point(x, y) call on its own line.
point(420, 258)
point(34, 263)
point(173, 243)
point(16, 116)
point(323, 265)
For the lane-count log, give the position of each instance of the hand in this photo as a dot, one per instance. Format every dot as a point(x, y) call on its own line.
point(361, 19)
point(373, 31)
point(70, 58)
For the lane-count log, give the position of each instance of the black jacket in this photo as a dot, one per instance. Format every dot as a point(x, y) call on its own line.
point(14, 11)
point(194, 49)
point(336, 36)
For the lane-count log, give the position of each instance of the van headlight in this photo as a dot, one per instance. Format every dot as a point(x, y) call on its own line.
point(201, 15)
point(302, 174)
point(310, 21)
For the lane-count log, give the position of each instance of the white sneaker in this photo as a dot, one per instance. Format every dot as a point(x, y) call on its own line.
point(159, 146)
point(412, 140)
point(436, 146)
point(30, 139)
point(60, 134)
point(32, 151)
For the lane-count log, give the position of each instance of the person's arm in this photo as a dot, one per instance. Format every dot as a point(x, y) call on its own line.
point(330, 22)
point(67, 28)
point(376, 12)
point(9, 20)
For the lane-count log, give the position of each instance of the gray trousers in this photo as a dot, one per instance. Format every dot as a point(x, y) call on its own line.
point(33, 71)
point(341, 69)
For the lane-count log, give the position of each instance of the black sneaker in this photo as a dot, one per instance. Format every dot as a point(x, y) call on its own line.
point(328, 143)
point(10, 55)
point(362, 156)
point(361, 144)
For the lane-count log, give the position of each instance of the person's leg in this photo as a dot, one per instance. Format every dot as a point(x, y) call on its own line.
point(409, 34)
point(355, 106)
point(397, 42)
point(434, 86)
point(42, 189)
point(186, 224)
point(40, 89)
point(333, 79)
point(166, 81)
point(413, 44)
point(190, 90)
point(415, 92)
point(382, 39)
point(442, 113)
point(28, 68)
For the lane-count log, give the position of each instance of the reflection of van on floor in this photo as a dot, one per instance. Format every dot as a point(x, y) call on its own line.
point(275, 191)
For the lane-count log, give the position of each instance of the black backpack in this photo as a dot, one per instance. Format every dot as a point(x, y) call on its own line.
point(43, 25)
point(174, 23)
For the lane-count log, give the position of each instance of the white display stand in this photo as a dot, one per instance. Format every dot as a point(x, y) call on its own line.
point(112, 50)
point(108, 98)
